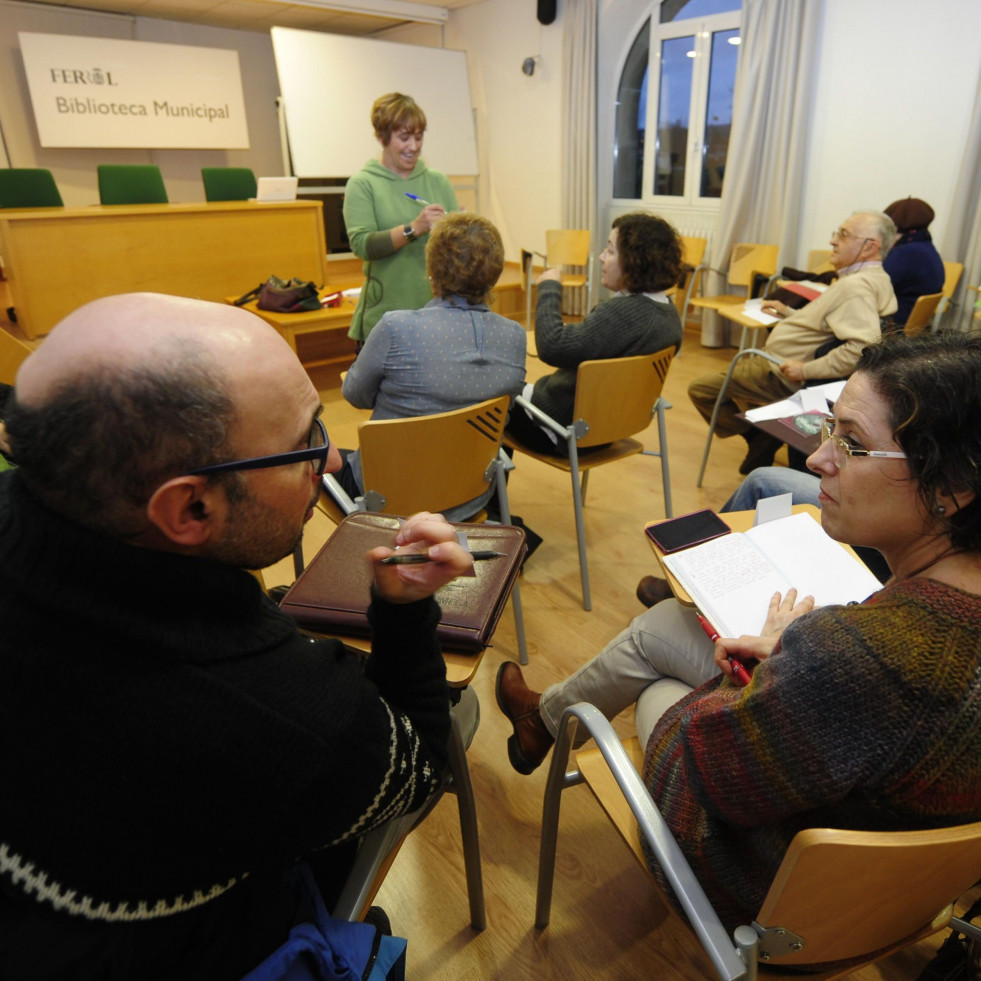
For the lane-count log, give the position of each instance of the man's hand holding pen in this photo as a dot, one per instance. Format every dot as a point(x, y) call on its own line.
point(426, 534)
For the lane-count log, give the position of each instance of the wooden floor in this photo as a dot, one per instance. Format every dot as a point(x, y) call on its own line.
point(607, 921)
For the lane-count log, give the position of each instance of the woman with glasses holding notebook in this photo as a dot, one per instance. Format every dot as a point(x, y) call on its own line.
point(866, 716)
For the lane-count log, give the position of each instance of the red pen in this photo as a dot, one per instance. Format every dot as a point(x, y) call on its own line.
point(739, 673)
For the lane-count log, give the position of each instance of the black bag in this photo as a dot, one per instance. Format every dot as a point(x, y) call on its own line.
point(283, 296)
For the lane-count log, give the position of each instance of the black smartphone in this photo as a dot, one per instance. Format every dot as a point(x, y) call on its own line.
point(675, 534)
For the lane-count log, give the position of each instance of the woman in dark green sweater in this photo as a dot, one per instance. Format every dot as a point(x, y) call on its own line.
point(641, 260)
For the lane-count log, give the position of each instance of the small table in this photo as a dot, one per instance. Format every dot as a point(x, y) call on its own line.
point(737, 521)
point(734, 313)
point(292, 325)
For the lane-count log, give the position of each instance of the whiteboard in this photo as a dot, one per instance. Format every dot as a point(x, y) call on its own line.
point(329, 82)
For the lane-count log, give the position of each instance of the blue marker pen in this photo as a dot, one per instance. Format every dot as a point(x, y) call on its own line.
point(415, 197)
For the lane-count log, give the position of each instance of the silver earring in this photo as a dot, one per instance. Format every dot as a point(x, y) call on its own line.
point(940, 509)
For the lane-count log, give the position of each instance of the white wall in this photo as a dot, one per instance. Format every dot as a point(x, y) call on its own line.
point(518, 117)
point(895, 87)
point(519, 126)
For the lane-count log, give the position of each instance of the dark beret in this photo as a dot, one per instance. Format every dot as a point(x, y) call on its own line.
point(910, 213)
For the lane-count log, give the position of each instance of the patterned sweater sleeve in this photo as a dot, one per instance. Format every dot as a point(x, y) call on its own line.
point(796, 739)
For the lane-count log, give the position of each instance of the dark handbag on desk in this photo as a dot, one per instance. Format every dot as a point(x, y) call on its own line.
point(283, 296)
point(332, 594)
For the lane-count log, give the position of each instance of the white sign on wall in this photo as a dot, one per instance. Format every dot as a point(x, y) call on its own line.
point(96, 92)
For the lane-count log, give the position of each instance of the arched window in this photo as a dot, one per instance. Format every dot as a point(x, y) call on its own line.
point(677, 84)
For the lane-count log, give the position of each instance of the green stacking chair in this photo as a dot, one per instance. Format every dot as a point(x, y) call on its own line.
point(28, 187)
point(228, 183)
point(131, 184)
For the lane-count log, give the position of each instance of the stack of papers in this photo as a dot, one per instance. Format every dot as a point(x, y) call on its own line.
point(817, 398)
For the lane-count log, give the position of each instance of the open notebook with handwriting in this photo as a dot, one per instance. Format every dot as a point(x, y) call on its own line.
point(732, 578)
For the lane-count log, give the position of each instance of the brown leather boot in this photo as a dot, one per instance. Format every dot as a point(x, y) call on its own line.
point(531, 741)
point(651, 590)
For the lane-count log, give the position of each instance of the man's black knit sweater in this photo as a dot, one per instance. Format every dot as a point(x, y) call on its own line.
point(172, 742)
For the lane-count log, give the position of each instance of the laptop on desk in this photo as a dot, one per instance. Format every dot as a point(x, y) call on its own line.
point(276, 189)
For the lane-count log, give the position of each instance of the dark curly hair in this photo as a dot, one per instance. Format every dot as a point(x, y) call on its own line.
point(931, 386)
point(464, 256)
point(389, 112)
point(650, 253)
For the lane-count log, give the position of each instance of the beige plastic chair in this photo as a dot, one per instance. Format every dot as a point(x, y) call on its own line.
point(13, 352)
point(922, 314)
point(692, 254)
point(563, 247)
point(433, 463)
point(952, 276)
point(837, 896)
point(746, 261)
point(615, 399)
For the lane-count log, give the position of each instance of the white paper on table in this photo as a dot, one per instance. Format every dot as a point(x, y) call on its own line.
point(754, 310)
point(775, 410)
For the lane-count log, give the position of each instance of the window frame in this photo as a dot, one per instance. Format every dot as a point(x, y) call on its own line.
point(701, 29)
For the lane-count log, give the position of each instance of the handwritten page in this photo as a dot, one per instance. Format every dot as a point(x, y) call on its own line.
point(731, 579)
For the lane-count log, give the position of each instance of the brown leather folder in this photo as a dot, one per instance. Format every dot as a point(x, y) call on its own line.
point(332, 594)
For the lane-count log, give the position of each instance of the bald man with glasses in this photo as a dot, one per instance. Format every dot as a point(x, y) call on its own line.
point(173, 744)
point(841, 321)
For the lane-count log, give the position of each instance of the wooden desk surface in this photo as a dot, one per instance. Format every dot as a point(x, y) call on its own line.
point(56, 259)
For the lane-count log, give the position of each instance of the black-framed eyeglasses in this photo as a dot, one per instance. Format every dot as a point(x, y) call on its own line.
point(318, 446)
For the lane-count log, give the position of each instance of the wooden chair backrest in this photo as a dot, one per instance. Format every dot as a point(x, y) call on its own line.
point(849, 893)
point(748, 259)
point(952, 276)
point(819, 260)
point(616, 396)
point(922, 313)
point(567, 247)
point(693, 249)
point(434, 462)
point(12, 353)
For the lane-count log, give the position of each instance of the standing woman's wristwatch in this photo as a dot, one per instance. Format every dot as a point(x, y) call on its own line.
point(409, 232)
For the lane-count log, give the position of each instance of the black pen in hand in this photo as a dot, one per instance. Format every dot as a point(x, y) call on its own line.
point(415, 558)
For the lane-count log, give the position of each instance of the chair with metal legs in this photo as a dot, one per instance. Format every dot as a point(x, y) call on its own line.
point(840, 898)
point(615, 398)
point(720, 398)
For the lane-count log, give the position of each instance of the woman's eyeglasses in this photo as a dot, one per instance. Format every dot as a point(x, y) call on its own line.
point(842, 451)
point(318, 446)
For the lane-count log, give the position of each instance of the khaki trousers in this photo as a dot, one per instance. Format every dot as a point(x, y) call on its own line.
point(752, 384)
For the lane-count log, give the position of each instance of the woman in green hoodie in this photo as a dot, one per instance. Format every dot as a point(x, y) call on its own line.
point(389, 208)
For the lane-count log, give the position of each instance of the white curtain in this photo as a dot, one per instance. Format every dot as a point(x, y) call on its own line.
point(762, 191)
point(962, 241)
point(579, 137)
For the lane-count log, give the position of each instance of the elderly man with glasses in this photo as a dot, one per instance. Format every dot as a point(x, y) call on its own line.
point(173, 744)
point(840, 322)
